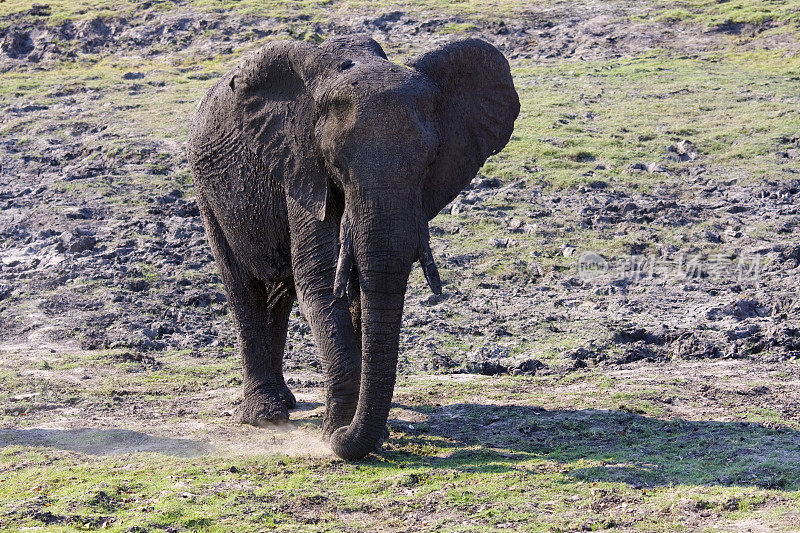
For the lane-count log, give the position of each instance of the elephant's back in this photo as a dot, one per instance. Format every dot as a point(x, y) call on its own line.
point(212, 128)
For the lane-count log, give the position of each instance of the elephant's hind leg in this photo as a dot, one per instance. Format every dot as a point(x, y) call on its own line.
point(278, 329)
point(266, 396)
point(260, 314)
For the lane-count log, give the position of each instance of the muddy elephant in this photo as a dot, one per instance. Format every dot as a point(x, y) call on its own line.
point(317, 169)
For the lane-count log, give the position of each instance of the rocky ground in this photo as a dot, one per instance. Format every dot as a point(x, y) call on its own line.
point(103, 246)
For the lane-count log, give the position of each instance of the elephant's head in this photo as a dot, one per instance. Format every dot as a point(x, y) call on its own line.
point(397, 143)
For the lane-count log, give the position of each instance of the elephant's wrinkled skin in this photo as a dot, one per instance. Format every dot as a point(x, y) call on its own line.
point(317, 169)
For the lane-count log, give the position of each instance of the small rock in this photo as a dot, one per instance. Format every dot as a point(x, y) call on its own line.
point(488, 368)
point(490, 183)
point(535, 269)
point(578, 354)
point(470, 198)
point(528, 366)
point(515, 225)
point(137, 285)
point(82, 243)
point(432, 299)
point(555, 141)
point(683, 150)
point(39, 10)
point(78, 213)
point(691, 347)
point(713, 236)
point(28, 396)
point(133, 76)
point(16, 44)
point(744, 331)
point(791, 254)
point(629, 208)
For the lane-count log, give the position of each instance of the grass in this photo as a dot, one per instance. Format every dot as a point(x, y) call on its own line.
point(64, 10)
point(709, 13)
point(533, 454)
point(617, 113)
point(721, 15)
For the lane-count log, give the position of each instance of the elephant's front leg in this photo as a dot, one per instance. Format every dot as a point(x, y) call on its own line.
point(314, 254)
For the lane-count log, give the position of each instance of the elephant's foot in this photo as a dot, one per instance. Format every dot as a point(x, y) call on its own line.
point(262, 409)
point(286, 395)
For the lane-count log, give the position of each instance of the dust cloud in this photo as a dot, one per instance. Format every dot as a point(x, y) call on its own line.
point(284, 439)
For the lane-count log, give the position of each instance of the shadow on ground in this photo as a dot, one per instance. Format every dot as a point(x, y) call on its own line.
point(619, 446)
point(103, 441)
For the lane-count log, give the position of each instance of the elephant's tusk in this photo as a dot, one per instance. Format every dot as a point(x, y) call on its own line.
point(345, 263)
point(429, 266)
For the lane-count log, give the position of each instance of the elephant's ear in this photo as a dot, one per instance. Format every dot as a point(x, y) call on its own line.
point(272, 90)
point(477, 112)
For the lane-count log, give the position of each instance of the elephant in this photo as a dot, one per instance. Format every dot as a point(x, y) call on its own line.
point(317, 168)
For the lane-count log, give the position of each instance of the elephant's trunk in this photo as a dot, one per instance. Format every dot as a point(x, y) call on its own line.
point(381, 314)
point(384, 250)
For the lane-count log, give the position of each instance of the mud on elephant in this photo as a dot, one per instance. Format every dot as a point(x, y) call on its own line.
point(317, 169)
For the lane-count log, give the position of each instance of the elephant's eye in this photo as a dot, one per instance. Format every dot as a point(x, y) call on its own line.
point(346, 64)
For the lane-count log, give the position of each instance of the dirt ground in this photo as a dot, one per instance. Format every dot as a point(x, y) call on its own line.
point(698, 436)
point(722, 391)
